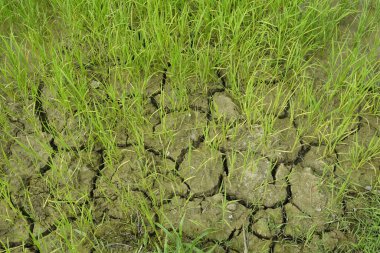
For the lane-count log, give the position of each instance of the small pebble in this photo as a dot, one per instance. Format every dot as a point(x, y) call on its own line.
point(231, 207)
point(368, 188)
point(308, 170)
point(95, 84)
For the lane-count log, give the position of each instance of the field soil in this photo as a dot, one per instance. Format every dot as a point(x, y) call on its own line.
point(264, 198)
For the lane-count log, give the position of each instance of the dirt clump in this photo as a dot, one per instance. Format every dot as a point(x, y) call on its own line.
point(311, 198)
point(177, 131)
point(223, 107)
point(249, 179)
point(267, 223)
point(202, 170)
point(214, 213)
point(319, 161)
point(249, 242)
point(28, 154)
point(13, 226)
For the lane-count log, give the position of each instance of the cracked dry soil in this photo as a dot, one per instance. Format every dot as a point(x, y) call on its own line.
point(274, 196)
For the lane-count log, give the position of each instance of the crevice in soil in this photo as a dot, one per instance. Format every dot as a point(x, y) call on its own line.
point(164, 75)
point(222, 78)
point(25, 214)
point(210, 94)
point(230, 197)
point(156, 125)
point(274, 206)
point(180, 158)
point(283, 211)
point(152, 98)
point(274, 171)
point(158, 153)
point(272, 245)
point(53, 145)
point(225, 161)
point(261, 237)
point(251, 231)
point(53, 228)
point(198, 141)
point(289, 193)
point(47, 166)
point(98, 174)
point(40, 112)
point(146, 195)
point(344, 206)
point(297, 240)
point(197, 108)
point(29, 242)
point(154, 102)
point(301, 154)
point(44, 121)
point(336, 163)
point(195, 144)
point(284, 114)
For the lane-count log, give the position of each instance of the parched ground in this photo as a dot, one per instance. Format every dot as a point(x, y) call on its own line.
point(94, 159)
point(205, 164)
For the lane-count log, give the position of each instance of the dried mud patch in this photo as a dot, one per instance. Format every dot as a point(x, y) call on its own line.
point(202, 170)
point(250, 180)
point(176, 132)
point(311, 195)
point(13, 226)
point(359, 162)
point(213, 213)
point(252, 186)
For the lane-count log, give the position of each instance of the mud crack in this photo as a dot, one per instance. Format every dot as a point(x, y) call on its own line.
point(40, 111)
point(98, 174)
point(152, 98)
point(158, 153)
point(44, 121)
point(301, 154)
point(222, 78)
point(31, 223)
point(47, 166)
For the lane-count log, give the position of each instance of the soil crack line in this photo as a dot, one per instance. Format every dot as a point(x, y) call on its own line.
point(40, 112)
point(301, 154)
point(274, 171)
point(29, 242)
point(164, 75)
point(225, 161)
point(158, 153)
point(284, 114)
point(44, 121)
point(98, 173)
point(222, 78)
point(48, 165)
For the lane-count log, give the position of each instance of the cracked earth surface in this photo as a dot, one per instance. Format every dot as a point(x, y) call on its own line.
point(257, 193)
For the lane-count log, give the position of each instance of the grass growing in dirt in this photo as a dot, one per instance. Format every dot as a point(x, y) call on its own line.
point(189, 126)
